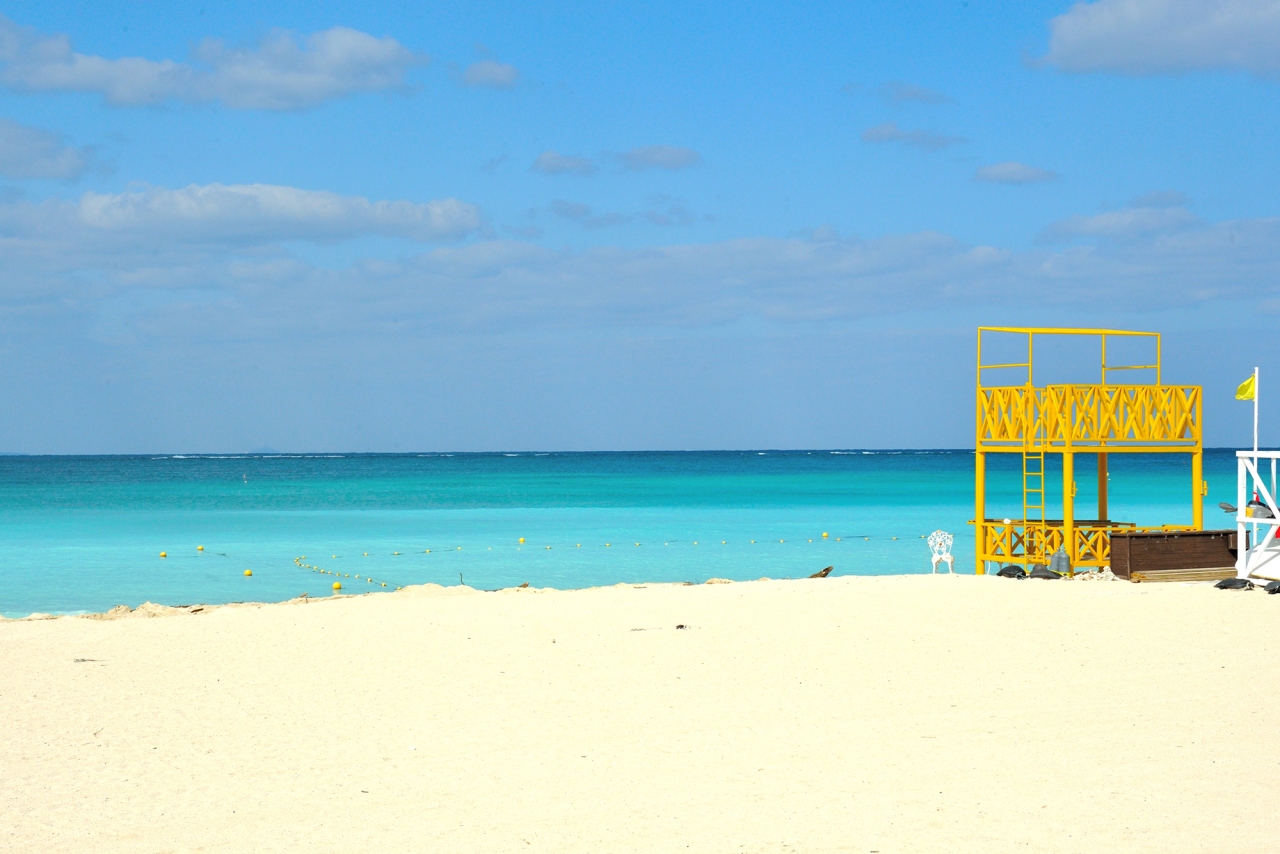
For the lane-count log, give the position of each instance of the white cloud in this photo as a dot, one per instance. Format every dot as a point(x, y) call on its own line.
point(246, 214)
point(1161, 36)
point(27, 152)
point(1013, 172)
point(1160, 199)
point(96, 317)
point(553, 163)
point(899, 92)
point(672, 157)
point(201, 247)
point(585, 216)
point(668, 211)
point(490, 74)
point(282, 72)
point(928, 140)
point(1128, 222)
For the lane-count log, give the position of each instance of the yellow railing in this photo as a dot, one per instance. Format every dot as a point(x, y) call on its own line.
point(1015, 542)
point(1091, 414)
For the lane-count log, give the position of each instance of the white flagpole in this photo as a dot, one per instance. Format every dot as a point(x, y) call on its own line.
point(1255, 417)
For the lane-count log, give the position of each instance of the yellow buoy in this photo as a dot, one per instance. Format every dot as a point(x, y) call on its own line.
point(164, 554)
point(248, 572)
point(824, 535)
point(753, 541)
point(550, 546)
point(199, 548)
point(395, 553)
point(722, 542)
point(637, 544)
point(366, 554)
point(384, 584)
point(781, 541)
point(695, 542)
point(427, 552)
point(522, 539)
point(337, 585)
point(579, 545)
point(335, 557)
point(608, 544)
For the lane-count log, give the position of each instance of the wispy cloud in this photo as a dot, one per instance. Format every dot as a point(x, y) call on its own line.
point(554, 163)
point(667, 211)
point(671, 157)
point(80, 254)
point(284, 71)
point(928, 140)
point(584, 216)
point(238, 214)
point(663, 210)
point(898, 92)
point(1160, 199)
point(27, 152)
point(1012, 172)
point(491, 74)
point(1125, 223)
point(1161, 36)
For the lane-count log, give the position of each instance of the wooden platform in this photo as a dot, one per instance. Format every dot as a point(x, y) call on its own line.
point(1174, 556)
point(1213, 574)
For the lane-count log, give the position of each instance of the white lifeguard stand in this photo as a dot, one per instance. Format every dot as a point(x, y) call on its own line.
point(1257, 550)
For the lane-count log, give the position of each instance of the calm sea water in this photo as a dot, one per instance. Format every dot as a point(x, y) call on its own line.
point(85, 533)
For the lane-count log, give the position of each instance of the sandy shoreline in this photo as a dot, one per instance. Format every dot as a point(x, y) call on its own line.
point(843, 714)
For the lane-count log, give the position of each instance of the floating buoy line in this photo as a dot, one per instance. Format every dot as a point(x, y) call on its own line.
point(368, 582)
point(337, 585)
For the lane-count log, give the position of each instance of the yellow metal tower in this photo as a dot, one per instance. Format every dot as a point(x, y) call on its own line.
point(1106, 418)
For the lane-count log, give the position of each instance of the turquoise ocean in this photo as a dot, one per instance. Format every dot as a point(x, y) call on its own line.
point(84, 534)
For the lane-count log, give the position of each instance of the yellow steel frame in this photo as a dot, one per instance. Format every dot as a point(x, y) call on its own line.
point(1101, 419)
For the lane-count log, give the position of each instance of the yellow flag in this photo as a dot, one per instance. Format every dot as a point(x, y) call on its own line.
point(1245, 392)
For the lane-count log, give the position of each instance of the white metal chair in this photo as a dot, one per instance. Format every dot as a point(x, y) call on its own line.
point(940, 545)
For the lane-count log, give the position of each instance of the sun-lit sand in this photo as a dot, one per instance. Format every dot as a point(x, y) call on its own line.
point(894, 714)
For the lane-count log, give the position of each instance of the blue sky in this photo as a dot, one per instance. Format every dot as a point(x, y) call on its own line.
point(381, 227)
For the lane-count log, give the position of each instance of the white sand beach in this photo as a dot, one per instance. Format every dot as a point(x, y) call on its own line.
point(890, 714)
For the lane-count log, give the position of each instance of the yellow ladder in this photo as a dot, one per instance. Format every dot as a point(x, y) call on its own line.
point(1033, 484)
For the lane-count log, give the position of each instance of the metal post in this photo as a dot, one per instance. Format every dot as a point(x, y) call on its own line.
point(1069, 505)
point(980, 507)
point(1197, 490)
point(1242, 536)
point(1102, 487)
point(1255, 417)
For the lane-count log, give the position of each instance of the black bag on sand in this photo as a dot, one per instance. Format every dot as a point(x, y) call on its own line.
point(1234, 584)
point(1272, 587)
point(1012, 572)
point(1042, 571)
